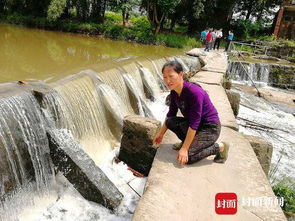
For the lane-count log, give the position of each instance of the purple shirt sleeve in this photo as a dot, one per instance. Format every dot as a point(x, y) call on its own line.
point(172, 107)
point(195, 113)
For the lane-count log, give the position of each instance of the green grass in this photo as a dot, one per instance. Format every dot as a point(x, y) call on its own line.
point(244, 48)
point(178, 41)
point(286, 189)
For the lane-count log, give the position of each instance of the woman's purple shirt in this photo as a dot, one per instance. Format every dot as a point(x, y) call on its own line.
point(194, 104)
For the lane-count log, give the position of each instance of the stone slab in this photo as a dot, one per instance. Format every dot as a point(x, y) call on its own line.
point(137, 149)
point(87, 178)
point(208, 77)
point(175, 192)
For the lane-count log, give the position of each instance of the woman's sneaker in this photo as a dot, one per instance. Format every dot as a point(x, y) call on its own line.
point(177, 146)
point(221, 157)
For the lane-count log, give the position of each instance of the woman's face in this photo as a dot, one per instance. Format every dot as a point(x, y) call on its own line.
point(171, 78)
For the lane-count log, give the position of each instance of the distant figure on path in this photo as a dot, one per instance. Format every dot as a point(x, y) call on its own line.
point(218, 39)
point(229, 39)
point(199, 128)
point(203, 36)
point(213, 38)
point(208, 40)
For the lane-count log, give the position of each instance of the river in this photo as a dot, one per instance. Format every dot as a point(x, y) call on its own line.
point(32, 54)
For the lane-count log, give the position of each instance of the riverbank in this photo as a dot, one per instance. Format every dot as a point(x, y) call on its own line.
point(139, 31)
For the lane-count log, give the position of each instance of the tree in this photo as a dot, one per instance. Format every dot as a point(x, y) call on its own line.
point(125, 6)
point(157, 10)
point(55, 9)
point(97, 10)
point(186, 11)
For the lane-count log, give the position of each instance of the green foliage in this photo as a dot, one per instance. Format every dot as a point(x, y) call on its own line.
point(141, 22)
point(181, 29)
point(158, 10)
point(286, 189)
point(289, 43)
point(114, 32)
point(140, 30)
point(247, 29)
point(55, 9)
point(177, 41)
point(167, 5)
point(112, 17)
point(244, 48)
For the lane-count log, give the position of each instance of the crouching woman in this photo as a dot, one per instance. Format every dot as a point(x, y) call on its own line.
point(199, 128)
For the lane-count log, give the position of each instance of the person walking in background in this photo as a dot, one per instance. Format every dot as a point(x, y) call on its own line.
point(218, 39)
point(203, 36)
point(213, 33)
point(229, 39)
point(208, 40)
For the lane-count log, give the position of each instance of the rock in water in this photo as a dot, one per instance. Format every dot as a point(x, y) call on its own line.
point(137, 149)
point(89, 180)
point(234, 100)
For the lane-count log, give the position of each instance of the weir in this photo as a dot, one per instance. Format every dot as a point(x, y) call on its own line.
point(90, 105)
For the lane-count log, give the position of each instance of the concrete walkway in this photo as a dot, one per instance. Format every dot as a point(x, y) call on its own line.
point(187, 193)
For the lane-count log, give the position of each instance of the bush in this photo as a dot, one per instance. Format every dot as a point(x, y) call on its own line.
point(140, 31)
point(177, 41)
point(112, 18)
point(181, 29)
point(114, 32)
point(246, 29)
point(141, 23)
point(286, 189)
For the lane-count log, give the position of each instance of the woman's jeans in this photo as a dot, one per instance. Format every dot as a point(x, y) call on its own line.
point(203, 144)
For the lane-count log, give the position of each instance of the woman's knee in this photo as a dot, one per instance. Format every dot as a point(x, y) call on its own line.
point(170, 122)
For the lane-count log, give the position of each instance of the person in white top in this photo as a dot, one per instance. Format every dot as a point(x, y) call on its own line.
point(218, 39)
point(212, 43)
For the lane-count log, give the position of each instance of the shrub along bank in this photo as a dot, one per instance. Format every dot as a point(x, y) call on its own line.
point(138, 31)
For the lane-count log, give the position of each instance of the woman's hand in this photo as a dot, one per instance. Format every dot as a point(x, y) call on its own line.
point(158, 139)
point(182, 156)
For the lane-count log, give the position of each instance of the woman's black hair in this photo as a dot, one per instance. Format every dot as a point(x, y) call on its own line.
point(177, 67)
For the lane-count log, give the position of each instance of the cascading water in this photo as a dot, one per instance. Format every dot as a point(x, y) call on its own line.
point(24, 152)
point(90, 106)
point(137, 93)
point(112, 101)
point(262, 118)
point(243, 71)
point(22, 129)
point(150, 83)
point(83, 114)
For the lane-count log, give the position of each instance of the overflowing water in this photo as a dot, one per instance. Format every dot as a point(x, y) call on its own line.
point(249, 72)
point(275, 122)
point(262, 118)
point(91, 106)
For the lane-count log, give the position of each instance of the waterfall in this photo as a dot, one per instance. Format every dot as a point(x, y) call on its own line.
point(243, 71)
point(81, 112)
point(151, 65)
point(142, 106)
point(23, 143)
point(90, 105)
point(112, 101)
point(184, 66)
point(150, 83)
